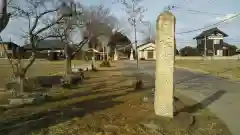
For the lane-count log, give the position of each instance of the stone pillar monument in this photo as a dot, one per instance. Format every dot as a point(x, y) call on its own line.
point(115, 57)
point(165, 59)
point(131, 55)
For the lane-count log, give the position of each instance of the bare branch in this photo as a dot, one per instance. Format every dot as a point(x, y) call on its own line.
point(48, 26)
point(40, 16)
point(99, 22)
point(31, 61)
point(20, 11)
point(79, 46)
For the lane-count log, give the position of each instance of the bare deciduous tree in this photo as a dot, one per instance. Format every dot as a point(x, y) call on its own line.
point(32, 11)
point(99, 22)
point(135, 15)
point(148, 32)
point(64, 30)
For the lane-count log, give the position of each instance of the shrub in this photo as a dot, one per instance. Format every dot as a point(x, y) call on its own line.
point(189, 51)
point(105, 63)
point(73, 79)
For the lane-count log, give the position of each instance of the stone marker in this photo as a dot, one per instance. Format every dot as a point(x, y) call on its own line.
point(84, 67)
point(35, 98)
point(93, 62)
point(165, 58)
point(131, 55)
point(115, 57)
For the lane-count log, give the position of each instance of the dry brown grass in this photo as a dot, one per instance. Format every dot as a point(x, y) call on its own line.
point(39, 68)
point(225, 68)
point(104, 105)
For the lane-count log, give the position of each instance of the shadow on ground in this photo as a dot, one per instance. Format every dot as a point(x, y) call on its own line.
point(93, 89)
point(120, 69)
point(48, 81)
point(204, 103)
point(196, 107)
point(38, 121)
point(45, 83)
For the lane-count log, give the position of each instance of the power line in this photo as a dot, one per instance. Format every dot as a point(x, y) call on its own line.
point(188, 1)
point(169, 7)
point(210, 1)
point(215, 24)
point(196, 11)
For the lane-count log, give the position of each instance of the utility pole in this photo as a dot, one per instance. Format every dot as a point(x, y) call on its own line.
point(135, 35)
point(150, 31)
point(135, 12)
point(205, 47)
point(213, 48)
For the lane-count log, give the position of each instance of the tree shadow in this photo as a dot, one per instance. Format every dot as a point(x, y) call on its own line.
point(44, 82)
point(203, 104)
point(93, 89)
point(198, 76)
point(103, 84)
point(38, 121)
point(50, 99)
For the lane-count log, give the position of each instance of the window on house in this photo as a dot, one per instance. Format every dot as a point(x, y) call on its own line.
point(216, 41)
point(209, 51)
point(199, 41)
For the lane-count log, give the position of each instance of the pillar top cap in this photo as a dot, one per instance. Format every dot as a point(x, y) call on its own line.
point(166, 14)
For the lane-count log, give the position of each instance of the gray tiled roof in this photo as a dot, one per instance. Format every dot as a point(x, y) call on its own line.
point(48, 44)
point(209, 32)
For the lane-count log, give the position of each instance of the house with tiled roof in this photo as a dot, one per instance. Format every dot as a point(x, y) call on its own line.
point(211, 42)
point(51, 49)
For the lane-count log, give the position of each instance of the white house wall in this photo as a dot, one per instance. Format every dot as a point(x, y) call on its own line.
point(143, 51)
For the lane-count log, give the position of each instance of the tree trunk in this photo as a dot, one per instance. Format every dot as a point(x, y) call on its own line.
point(93, 60)
point(68, 65)
point(21, 80)
point(68, 60)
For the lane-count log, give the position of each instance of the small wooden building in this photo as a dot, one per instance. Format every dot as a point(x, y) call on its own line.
point(147, 51)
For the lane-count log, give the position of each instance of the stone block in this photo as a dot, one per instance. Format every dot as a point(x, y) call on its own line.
point(28, 99)
point(84, 67)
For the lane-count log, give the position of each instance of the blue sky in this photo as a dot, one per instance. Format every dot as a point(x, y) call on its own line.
point(185, 19)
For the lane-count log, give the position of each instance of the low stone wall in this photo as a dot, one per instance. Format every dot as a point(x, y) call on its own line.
point(208, 58)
